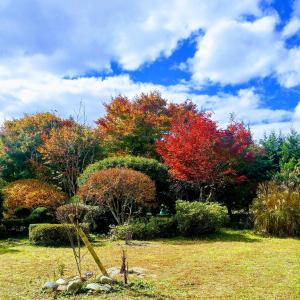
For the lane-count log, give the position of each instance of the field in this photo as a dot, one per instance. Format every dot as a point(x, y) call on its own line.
point(228, 265)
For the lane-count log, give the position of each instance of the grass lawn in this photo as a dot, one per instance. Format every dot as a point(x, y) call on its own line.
point(228, 265)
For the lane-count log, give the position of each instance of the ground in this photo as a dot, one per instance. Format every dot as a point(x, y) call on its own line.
point(228, 265)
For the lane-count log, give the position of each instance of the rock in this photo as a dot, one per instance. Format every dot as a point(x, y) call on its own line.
point(74, 285)
point(113, 271)
point(105, 280)
point(88, 274)
point(61, 281)
point(50, 286)
point(99, 287)
point(137, 271)
point(62, 288)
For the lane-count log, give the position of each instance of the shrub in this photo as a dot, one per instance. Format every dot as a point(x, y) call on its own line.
point(156, 228)
point(197, 218)
point(77, 210)
point(276, 210)
point(99, 219)
point(3, 233)
point(40, 215)
point(157, 171)
point(31, 193)
point(52, 234)
point(123, 191)
point(22, 212)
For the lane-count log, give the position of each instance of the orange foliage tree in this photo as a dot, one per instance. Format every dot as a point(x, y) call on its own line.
point(123, 191)
point(31, 193)
point(133, 126)
point(67, 151)
point(20, 139)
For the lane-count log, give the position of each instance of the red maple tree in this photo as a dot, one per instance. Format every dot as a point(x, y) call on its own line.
point(197, 151)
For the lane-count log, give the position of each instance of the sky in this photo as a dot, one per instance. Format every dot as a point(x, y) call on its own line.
point(227, 56)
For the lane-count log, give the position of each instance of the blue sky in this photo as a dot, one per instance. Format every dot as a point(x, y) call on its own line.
point(228, 56)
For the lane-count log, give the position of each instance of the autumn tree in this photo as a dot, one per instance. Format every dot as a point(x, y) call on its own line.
point(31, 193)
point(133, 126)
point(20, 139)
point(197, 151)
point(123, 191)
point(66, 151)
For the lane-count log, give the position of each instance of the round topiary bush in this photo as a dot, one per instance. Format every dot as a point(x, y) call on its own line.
point(157, 171)
point(276, 210)
point(77, 210)
point(30, 194)
point(123, 191)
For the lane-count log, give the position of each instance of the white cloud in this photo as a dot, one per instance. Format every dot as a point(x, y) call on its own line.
point(75, 36)
point(51, 93)
point(234, 52)
point(291, 28)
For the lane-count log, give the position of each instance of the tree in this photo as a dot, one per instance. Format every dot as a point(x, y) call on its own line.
point(31, 193)
point(67, 151)
point(123, 191)
point(157, 171)
point(20, 139)
point(198, 152)
point(133, 126)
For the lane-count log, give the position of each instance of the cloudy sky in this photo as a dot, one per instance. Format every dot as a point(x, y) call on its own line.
point(240, 56)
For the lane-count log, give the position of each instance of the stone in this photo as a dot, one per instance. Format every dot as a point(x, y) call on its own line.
point(62, 288)
point(88, 274)
point(137, 270)
point(105, 280)
point(74, 285)
point(50, 286)
point(61, 281)
point(99, 287)
point(113, 271)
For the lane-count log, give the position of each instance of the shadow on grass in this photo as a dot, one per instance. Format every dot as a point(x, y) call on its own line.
point(221, 236)
point(8, 250)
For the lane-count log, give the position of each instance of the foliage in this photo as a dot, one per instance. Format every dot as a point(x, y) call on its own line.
point(77, 210)
point(123, 191)
point(40, 215)
point(198, 152)
point(157, 171)
point(133, 126)
point(3, 233)
point(31, 193)
point(276, 209)
point(198, 218)
point(156, 227)
point(22, 212)
point(20, 139)
point(52, 234)
point(98, 218)
point(67, 151)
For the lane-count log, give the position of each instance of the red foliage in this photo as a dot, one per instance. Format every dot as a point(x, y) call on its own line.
point(197, 151)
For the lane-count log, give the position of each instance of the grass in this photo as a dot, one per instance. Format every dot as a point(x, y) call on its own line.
point(228, 265)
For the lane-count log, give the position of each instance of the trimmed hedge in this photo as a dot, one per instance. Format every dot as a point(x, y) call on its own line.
point(157, 227)
point(198, 218)
point(157, 171)
point(53, 234)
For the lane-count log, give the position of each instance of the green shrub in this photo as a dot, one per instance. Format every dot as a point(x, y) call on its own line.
point(53, 234)
point(156, 227)
point(99, 219)
point(276, 210)
point(40, 215)
point(22, 212)
point(198, 218)
point(3, 233)
point(157, 171)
